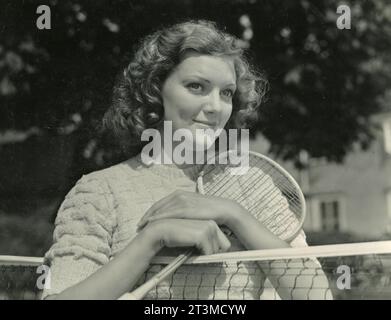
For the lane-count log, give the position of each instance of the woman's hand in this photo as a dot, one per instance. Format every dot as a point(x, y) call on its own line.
point(191, 205)
point(203, 234)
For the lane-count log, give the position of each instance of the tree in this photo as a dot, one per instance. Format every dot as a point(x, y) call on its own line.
point(325, 83)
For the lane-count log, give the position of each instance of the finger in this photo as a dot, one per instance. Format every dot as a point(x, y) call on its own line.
point(215, 238)
point(213, 228)
point(206, 240)
point(224, 242)
point(205, 246)
point(212, 237)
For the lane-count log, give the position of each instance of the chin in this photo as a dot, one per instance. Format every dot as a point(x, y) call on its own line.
point(203, 142)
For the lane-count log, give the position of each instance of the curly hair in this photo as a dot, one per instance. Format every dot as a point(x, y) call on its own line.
point(137, 103)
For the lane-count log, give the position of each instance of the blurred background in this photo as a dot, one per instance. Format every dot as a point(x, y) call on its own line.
point(327, 117)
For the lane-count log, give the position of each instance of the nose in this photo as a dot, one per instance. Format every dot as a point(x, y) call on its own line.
point(213, 103)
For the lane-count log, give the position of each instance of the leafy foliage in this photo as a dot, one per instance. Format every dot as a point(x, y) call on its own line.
point(325, 83)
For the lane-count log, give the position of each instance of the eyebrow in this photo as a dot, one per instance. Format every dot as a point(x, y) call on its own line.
point(206, 80)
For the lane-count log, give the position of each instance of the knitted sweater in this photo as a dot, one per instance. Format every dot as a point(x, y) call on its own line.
point(99, 217)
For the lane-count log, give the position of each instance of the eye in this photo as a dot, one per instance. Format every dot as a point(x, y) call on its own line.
point(228, 93)
point(195, 86)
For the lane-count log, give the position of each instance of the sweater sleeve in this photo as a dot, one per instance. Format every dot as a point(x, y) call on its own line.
point(82, 236)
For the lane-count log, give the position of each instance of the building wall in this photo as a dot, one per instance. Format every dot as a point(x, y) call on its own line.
point(361, 185)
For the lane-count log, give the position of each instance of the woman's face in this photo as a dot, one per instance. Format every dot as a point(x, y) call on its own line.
point(198, 95)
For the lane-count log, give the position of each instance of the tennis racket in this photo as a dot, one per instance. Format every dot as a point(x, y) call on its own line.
point(263, 187)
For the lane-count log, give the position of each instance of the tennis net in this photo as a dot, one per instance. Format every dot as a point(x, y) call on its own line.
point(352, 271)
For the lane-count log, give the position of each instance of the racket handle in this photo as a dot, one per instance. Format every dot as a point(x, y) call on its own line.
point(141, 291)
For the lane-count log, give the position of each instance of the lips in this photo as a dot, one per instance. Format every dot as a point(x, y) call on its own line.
point(206, 123)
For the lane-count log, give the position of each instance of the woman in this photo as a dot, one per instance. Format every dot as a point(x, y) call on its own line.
point(114, 221)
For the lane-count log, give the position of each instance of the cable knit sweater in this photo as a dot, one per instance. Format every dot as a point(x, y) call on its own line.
point(99, 217)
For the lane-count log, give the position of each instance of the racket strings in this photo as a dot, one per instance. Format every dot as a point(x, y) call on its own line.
point(269, 170)
point(264, 190)
point(259, 181)
point(274, 217)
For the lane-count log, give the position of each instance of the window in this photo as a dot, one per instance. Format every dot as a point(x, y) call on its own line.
point(330, 215)
point(326, 212)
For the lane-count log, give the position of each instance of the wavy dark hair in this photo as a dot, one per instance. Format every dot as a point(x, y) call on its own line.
point(137, 102)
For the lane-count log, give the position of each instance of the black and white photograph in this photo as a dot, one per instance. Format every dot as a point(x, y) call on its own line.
point(195, 150)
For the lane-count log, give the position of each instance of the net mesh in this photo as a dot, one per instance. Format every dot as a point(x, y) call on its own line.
point(353, 277)
point(18, 282)
point(347, 277)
